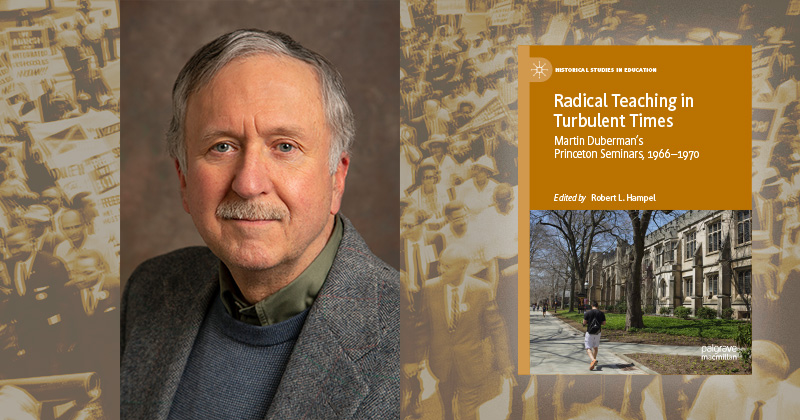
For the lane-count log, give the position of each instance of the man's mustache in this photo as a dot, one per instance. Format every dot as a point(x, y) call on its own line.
point(250, 210)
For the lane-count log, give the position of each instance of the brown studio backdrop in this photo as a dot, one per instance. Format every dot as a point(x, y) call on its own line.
point(159, 37)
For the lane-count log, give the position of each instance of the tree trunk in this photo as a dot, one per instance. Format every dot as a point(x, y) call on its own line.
point(572, 292)
point(633, 317)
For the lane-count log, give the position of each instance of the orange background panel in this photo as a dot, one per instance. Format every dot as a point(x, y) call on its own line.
point(718, 78)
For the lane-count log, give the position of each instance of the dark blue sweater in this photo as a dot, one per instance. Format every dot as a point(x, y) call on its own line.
point(234, 369)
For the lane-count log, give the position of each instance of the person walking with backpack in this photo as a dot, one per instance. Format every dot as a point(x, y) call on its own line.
point(594, 320)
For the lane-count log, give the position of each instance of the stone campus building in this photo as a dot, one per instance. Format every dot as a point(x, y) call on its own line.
point(702, 258)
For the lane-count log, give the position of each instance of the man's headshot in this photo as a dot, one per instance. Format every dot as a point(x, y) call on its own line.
point(261, 164)
point(286, 313)
point(160, 37)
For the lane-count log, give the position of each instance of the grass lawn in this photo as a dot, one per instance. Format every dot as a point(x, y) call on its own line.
point(719, 329)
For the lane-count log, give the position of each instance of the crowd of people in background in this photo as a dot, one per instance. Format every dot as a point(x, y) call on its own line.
point(458, 196)
point(59, 263)
point(458, 149)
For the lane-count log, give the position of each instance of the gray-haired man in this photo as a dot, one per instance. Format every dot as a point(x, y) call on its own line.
point(286, 314)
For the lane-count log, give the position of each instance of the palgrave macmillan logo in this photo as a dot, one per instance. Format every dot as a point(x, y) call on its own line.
point(541, 69)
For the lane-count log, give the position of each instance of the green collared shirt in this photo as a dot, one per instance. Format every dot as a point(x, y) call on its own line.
point(287, 302)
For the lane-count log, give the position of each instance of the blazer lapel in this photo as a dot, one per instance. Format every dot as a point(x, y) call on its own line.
point(322, 378)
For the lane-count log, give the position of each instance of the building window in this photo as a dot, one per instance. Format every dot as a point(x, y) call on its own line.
point(687, 287)
point(743, 226)
point(713, 284)
point(714, 236)
point(659, 251)
point(691, 245)
point(743, 282)
point(669, 248)
point(663, 289)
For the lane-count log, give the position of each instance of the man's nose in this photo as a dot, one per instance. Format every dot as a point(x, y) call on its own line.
point(253, 176)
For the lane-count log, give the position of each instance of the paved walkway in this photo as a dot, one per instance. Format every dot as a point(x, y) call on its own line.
point(557, 348)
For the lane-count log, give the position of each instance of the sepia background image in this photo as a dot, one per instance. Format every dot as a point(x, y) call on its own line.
point(459, 93)
point(59, 209)
point(60, 162)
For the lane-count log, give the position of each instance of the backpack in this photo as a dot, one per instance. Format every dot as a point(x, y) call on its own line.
point(594, 326)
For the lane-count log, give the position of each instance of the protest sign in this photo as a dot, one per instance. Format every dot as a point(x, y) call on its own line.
point(405, 15)
point(492, 112)
point(451, 7)
point(473, 23)
point(588, 9)
point(762, 62)
point(502, 13)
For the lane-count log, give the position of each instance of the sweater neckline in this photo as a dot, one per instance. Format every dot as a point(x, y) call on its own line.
point(255, 335)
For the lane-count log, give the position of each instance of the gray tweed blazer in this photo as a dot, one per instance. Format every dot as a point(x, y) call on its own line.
point(345, 364)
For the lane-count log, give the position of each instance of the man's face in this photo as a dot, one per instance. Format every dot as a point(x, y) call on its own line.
point(411, 229)
point(36, 227)
point(431, 108)
point(481, 174)
point(85, 273)
point(429, 177)
point(437, 150)
point(19, 245)
point(458, 220)
point(452, 269)
point(257, 135)
point(73, 227)
point(503, 205)
point(503, 197)
point(51, 199)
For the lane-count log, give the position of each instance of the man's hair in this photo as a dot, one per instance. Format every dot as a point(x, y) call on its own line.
point(80, 214)
point(420, 216)
point(452, 207)
point(793, 71)
point(427, 167)
point(790, 108)
point(211, 58)
point(455, 253)
point(594, 304)
point(90, 254)
point(503, 193)
point(788, 129)
point(770, 359)
point(19, 230)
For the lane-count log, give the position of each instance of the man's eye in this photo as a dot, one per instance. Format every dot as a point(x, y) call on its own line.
point(285, 147)
point(222, 147)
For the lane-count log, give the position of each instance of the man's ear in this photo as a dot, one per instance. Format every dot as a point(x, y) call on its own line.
point(182, 180)
point(338, 179)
